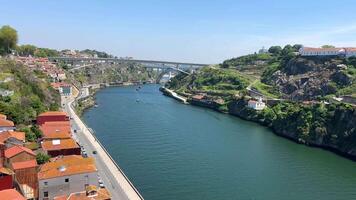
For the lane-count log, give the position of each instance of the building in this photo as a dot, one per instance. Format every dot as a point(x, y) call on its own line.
point(18, 154)
point(6, 178)
point(52, 116)
point(350, 52)
point(11, 194)
point(257, 105)
point(11, 138)
point(26, 177)
point(91, 193)
point(65, 175)
point(6, 125)
point(63, 88)
point(309, 51)
point(56, 130)
point(61, 147)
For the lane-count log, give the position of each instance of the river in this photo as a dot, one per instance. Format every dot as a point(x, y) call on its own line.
point(175, 151)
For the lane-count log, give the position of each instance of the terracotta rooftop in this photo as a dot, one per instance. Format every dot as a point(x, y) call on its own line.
point(7, 171)
point(100, 194)
point(53, 113)
point(322, 49)
point(11, 194)
point(12, 151)
point(12, 134)
point(50, 145)
point(56, 129)
point(24, 164)
point(5, 122)
point(65, 166)
point(2, 116)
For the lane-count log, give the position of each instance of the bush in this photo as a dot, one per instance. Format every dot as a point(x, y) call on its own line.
point(42, 158)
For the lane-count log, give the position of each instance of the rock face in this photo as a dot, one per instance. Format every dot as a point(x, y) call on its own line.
point(307, 79)
point(335, 131)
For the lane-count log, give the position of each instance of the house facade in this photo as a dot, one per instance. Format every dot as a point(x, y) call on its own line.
point(6, 178)
point(18, 154)
point(256, 105)
point(66, 175)
point(309, 51)
point(61, 147)
point(26, 176)
point(52, 116)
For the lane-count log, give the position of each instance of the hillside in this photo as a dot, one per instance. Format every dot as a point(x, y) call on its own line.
point(296, 88)
point(108, 73)
point(32, 93)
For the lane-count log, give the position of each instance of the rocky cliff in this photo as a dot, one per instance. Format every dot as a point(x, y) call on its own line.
point(328, 126)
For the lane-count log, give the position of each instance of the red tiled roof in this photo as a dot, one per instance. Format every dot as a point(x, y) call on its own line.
point(51, 145)
point(70, 165)
point(4, 122)
point(12, 134)
point(52, 130)
point(24, 164)
point(321, 49)
point(11, 194)
point(53, 113)
point(12, 151)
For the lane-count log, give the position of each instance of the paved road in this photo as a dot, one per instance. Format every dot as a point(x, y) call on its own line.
point(107, 176)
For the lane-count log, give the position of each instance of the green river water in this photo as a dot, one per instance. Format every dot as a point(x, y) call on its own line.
point(175, 151)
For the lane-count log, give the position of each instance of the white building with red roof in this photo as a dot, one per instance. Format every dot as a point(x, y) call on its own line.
point(257, 105)
point(341, 51)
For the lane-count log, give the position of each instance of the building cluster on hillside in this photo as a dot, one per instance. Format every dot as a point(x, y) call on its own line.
point(56, 74)
point(68, 175)
point(44, 65)
point(342, 51)
point(76, 54)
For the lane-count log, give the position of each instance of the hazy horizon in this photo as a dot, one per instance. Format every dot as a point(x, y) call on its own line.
point(199, 31)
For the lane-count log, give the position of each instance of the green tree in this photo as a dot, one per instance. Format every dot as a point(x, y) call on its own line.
point(327, 46)
point(42, 158)
point(296, 47)
point(275, 49)
point(8, 39)
point(26, 50)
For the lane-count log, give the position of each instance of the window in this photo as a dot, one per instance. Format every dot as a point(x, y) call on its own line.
point(45, 194)
point(66, 180)
point(46, 183)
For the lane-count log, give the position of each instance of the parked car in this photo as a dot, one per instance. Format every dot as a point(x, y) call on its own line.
point(94, 152)
point(101, 185)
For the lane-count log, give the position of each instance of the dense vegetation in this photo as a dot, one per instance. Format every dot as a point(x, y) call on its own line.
point(282, 73)
point(32, 93)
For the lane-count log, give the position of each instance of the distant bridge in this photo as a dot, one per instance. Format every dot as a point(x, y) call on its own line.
point(78, 63)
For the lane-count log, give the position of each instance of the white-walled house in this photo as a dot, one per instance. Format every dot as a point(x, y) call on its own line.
point(257, 105)
point(66, 175)
point(350, 52)
point(309, 51)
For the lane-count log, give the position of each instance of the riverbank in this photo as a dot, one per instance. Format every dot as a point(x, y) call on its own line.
point(124, 189)
point(87, 98)
point(286, 128)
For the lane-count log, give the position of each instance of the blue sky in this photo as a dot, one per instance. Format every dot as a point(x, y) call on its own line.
point(203, 31)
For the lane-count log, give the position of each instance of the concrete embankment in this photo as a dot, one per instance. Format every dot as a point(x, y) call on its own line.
point(172, 94)
point(125, 184)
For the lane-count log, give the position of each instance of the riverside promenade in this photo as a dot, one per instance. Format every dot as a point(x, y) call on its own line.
point(114, 178)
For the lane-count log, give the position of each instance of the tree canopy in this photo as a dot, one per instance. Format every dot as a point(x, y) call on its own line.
point(8, 39)
point(275, 49)
point(26, 50)
point(327, 46)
